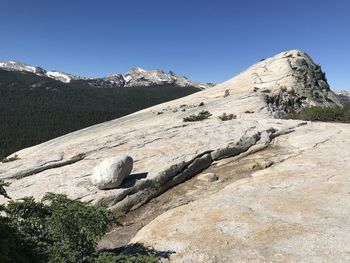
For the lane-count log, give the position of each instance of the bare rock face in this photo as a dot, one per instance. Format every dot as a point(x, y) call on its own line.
point(295, 209)
point(167, 150)
point(208, 177)
point(289, 81)
point(111, 172)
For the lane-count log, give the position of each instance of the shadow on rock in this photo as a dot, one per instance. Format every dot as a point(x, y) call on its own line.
point(140, 249)
point(131, 180)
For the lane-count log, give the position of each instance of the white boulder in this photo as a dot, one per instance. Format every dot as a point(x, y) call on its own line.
point(111, 172)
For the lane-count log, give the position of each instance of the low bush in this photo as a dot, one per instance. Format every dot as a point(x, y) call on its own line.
point(106, 257)
point(227, 117)
point(10, 159)
point(331, 114)
point(56, 230)
point(199, 117)
point(292, 92)
point(227, 93)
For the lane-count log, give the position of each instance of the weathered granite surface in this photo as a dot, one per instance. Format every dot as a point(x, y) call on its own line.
point(297, 210)
point(166, 150)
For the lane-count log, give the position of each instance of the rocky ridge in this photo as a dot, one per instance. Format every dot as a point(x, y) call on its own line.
point(343, 96)
point(168, 151)
point(290, 81)
point(295, 210)
point(136, 77)
point(19, 66)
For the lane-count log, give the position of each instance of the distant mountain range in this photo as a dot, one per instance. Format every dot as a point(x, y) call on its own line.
point(37, 105)
point(135, 77)
point(343, 96)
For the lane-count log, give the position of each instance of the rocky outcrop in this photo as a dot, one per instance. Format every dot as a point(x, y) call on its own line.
point(295, 210)
point(289, 81)
point(19, 66)
point(111, 172)
point(166, 150)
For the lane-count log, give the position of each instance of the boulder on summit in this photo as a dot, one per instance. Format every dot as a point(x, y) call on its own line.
point(111, 172)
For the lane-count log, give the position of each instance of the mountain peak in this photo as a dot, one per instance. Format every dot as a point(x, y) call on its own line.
point(19, 66)
point(289, 81)
point(137, 69)
point(135, 77)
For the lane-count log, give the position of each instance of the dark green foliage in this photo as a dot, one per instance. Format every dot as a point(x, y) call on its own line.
point(57, 229)
point(199, 117)
point(34, 109)
point(14, 246)
point(284, 89)
point(227, 93)
point(10, 159)
point(333, 114)
point(137, 258)
point(3, 191)
point(292, 92)
point(227, 117)
point(3, 184)
point(266, 91)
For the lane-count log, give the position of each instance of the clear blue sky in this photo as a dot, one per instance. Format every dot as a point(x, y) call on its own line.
point(205, 40)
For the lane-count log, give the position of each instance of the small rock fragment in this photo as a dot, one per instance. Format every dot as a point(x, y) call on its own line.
point(208, 177)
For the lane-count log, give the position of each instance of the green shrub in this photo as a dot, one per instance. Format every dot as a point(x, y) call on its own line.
point(249, 111)
point(266, 91)
point(61, 229)
point(226, 117)
point(10, 159)
point(227, 93)
point(199, 117)
point(56, 230)
point(106, 257)
point(292, 92)
point(332, 114)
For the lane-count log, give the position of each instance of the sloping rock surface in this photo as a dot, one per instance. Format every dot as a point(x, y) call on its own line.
point(166, 150)
point(296, 210)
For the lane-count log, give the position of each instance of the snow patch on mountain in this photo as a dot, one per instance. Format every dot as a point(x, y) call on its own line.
point(135, 77)
point(15, 65)
point(66, 78)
